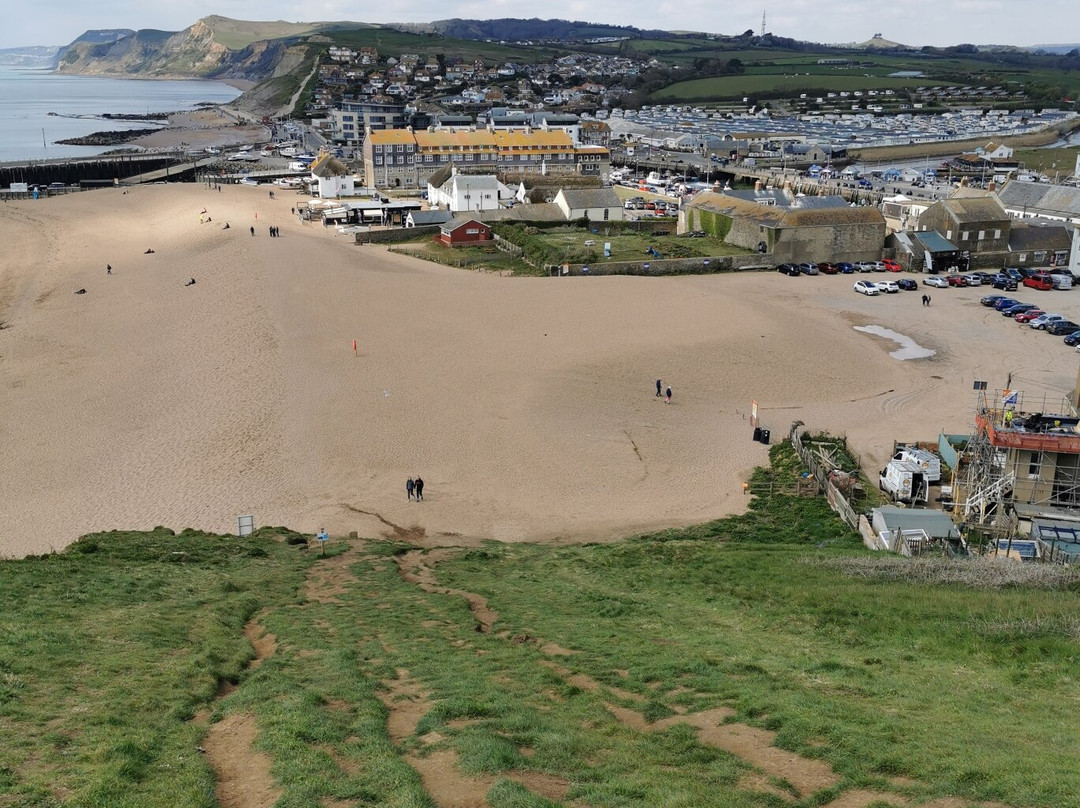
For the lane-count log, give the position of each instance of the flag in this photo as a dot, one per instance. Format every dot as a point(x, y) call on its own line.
point(1010, 397)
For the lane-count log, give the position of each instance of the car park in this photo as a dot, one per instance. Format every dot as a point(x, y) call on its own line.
point(1039, 280)
point(889, 287)
point(808, 269)
point(1004, 303)
point(935, 280)
point(1018, 308)
point(1004, 282)
point(1042, 321)
point(1028, 316)
point(892, 266)
point(846, 268)
point(990, 300)
point(956, 280)
point(1062, 328)
point(866, 288)
point(788, 269)
point(825, 268)
point(907, 284)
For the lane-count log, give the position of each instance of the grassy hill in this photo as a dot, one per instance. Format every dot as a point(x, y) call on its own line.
point(764, 660)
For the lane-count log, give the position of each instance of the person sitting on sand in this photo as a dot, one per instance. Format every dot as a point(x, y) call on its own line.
point(80, 291)
point(190, 283)
point(225, 226)
point(148, 251)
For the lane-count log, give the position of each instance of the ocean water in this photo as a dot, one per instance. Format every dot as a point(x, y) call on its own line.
point(28, 131)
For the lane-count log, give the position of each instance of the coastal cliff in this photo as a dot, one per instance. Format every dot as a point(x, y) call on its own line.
point(212, 48)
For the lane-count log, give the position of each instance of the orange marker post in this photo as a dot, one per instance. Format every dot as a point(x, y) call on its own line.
point(354, 347)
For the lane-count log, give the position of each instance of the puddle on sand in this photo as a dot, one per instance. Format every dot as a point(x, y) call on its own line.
point(909, 348)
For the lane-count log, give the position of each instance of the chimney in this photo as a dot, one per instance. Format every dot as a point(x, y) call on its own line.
point(757, 186)
point(991, 186)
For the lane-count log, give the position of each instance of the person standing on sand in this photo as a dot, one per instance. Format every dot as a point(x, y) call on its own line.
point(253, 230)
point(419, 488)
point(667, 395)
point(108, 269)
point(659, 388)
point(409, 486)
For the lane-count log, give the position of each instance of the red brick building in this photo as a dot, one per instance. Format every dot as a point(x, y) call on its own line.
point(462, 232)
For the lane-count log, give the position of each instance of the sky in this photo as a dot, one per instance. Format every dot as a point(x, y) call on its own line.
point(912, 22)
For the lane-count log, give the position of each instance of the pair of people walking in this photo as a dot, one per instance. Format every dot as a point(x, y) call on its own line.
point(661, 392)
point(274, 231)
point(415, 488)
point(926, 300)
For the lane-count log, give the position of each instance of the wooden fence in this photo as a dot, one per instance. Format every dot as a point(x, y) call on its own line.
point(820, 472)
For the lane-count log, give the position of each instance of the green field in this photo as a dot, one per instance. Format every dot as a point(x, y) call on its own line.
point(667, 669)
point(1050, 162)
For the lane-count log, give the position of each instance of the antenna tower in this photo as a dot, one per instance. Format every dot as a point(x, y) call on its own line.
point(763, 23)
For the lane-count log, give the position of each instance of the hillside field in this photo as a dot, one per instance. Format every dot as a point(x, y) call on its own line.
point(758, 661)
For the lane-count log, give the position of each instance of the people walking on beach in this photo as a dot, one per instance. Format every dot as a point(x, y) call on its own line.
point(253, 230)
point(108, 269)
point(928, 300)
point(924, 300)
point(667, 395)
point(410, 486)
point(419, 484)
point(659, 388)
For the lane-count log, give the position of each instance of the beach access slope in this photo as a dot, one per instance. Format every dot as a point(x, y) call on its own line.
point(527, 404)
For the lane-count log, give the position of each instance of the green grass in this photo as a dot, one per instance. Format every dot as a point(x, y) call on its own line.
point(107, 650)
point(750, 84)
point(1048, 161)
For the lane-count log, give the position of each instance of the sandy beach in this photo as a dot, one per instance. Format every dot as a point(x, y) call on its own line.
point(527, 404)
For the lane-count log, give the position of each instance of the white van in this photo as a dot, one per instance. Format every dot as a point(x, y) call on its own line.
point(1061, 280)
point(904, 482)
point(928, 462)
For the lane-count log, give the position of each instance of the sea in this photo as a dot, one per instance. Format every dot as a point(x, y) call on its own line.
point(38, 108)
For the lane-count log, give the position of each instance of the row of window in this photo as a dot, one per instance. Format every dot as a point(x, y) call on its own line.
point(466, 158)
point(966, 234)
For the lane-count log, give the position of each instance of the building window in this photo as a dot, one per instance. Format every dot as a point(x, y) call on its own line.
point(378, 161)
point(982, 235)
point(997, 234)
point(964, 235)
point(1033, 465)
point(607, 214)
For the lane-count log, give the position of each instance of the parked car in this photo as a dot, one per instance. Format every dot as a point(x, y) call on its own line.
point(935, 280)
point(973, 279)
point(1005, 282)
point(845, 267)
point(1073, 338)
point(825, 268)
point(956, 280)
point(1013, 273)
point(865, 185)
point(867, 266)
point(990, 300)
point(1062, 328)
point(1012, 311)
point(1042, 321)
point(887, 286)
point(808, 269)
point(866, 288)
point(986, 277)
point(788, 269)
point(1028, 316)
point(1004, 303)
point(1039, 280)
point(892, 266)
point(907, 284)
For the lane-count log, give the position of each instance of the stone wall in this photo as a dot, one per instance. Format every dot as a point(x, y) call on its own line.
point(673, 266)
point(845, 242)
point(396, 234)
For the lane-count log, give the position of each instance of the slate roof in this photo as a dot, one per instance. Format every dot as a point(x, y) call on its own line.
point(933, 241)
point(937, 524)
point(788, 210)
point(591, 198)
point(422, 217)
point(1039, 197)
point(975, 209)
point(539, 212)
point(1024, 237)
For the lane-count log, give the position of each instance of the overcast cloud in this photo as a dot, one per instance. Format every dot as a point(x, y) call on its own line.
point(913, 22)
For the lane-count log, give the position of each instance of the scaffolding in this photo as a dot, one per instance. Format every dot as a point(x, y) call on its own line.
point(1022, 451)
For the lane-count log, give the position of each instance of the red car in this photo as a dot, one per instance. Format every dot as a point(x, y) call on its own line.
point(892, 266)
point(1040, 280)
point(1029, 315)
point(825, 268)
point(956, 280)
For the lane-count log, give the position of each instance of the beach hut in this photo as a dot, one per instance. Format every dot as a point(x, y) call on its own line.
point(814, 170)
point(891, 174)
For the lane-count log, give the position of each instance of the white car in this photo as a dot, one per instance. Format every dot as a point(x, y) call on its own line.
point(866, 288)
point(1043, 320)
point(887, 286)
point(936, 280)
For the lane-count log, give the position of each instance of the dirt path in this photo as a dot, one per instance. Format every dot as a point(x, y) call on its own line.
point(243, 773)
point(414, 567)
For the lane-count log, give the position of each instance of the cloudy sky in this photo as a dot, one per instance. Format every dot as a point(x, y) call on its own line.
point(913, 22)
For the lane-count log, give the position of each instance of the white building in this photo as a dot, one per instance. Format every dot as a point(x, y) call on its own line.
point(596, 204)
point(467, 192)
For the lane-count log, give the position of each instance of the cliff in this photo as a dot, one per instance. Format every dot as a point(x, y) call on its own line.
point(195, 52)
